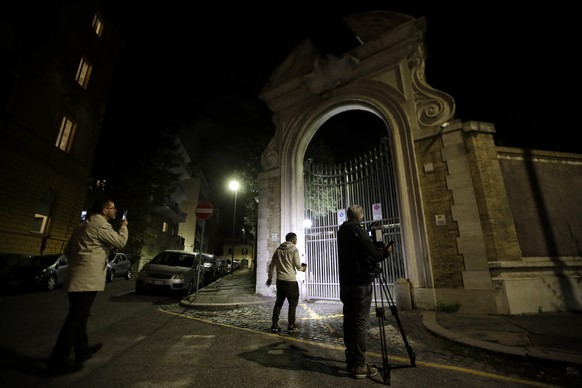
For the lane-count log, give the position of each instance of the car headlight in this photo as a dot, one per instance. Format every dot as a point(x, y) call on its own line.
point(179, 276)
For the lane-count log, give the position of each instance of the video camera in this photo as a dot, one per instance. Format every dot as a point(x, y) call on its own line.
point(376, 233)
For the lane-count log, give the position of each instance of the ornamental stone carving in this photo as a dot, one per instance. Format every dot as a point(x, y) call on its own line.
point(330, 72)
point(433, 107)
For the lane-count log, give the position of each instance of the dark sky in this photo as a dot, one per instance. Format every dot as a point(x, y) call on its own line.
point(202, 69)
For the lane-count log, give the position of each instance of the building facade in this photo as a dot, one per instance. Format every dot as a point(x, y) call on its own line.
point(463, 225)
point(56, 68)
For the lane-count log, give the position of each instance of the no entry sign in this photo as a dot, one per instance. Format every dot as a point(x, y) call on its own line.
point(204, 210)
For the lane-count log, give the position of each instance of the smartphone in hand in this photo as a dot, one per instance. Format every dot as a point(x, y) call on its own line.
point(124, 216)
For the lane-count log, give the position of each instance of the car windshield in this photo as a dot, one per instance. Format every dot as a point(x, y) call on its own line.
point(174, 259)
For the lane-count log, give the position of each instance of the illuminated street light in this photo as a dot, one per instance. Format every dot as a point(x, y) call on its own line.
point(233, 185)
point(244, 246)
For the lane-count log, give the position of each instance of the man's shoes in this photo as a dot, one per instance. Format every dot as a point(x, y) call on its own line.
point(363, 371)
point(293, 329)
point(88, 353)
point(62, 369)
point(275, 329)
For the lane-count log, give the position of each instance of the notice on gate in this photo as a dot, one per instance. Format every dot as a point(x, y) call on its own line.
point(377, 211)
point(341, 216)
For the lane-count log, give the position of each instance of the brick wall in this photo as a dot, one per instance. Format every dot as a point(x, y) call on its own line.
point(447, 264)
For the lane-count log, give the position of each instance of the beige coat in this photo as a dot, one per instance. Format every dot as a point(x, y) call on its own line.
point(285, 262)
point(88, 251)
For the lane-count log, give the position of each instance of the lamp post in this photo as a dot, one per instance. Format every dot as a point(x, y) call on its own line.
point(244, 252)
point(233, 185)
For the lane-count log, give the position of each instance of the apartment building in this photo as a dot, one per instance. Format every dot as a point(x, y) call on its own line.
point(57, 61)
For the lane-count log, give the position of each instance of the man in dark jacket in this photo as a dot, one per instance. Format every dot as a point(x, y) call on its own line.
point(357, 257)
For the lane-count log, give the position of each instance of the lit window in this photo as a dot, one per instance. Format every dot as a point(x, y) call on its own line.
point(66, 134)
point(43, 212)
point(98, 25)
point(165, 227)
point(83, 73)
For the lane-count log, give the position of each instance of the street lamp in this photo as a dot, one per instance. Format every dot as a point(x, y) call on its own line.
point(244, 252)
point(233, 185)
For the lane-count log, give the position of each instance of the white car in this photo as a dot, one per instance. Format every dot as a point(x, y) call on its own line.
point(172, 271)
point(118, 266)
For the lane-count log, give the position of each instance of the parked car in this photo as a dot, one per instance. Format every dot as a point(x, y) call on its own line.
point(118, 266)
point(173, 271)
point(228, 266)
point(223, 267)
point(44, 272)
point(210, 263)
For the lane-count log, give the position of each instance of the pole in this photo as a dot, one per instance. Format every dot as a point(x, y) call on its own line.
point(244, 245)
point(199, 257)
point(233, 229)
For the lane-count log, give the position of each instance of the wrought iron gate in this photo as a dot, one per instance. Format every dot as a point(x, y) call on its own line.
point(368, 180)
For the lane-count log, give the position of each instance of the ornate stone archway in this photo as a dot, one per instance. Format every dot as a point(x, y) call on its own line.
point(384, 76)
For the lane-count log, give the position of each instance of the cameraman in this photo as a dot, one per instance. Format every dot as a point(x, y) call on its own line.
point(358, 256)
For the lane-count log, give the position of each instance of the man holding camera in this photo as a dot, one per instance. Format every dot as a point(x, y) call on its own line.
point(87, 250)
point(358, 256)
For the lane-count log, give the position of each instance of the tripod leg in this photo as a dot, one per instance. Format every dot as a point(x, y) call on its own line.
point(411, 354)
point(380, 314)
point(394, 311)
point(385, 370)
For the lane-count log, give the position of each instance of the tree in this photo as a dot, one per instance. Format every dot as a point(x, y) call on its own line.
point(140, 182)
point(320, 194)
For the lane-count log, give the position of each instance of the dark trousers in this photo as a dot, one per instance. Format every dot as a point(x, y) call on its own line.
point(357, 301)
point(289, 291)
point(73, 334)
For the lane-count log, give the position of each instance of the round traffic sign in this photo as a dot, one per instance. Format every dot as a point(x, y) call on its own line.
point(204, 210)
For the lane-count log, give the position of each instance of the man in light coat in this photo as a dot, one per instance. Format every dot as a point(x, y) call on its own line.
point(88, 250)
point(285, 263)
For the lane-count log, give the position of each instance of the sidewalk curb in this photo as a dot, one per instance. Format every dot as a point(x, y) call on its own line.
point(216, 306)
point(430, 322)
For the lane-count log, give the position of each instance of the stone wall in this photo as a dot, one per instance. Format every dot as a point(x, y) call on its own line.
point(543, 190)
point(269, 227)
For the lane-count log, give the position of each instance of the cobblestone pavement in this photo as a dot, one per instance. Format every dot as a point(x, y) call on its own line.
point(321, 321)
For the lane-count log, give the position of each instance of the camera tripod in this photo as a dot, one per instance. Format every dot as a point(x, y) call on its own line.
point(381, 315)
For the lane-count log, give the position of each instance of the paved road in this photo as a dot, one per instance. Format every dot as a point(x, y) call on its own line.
point(151, 341)
point(321, 322)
